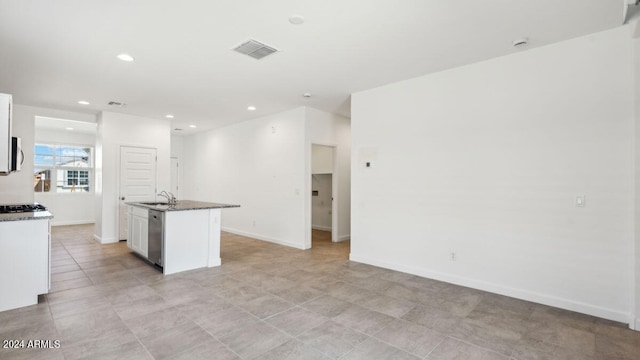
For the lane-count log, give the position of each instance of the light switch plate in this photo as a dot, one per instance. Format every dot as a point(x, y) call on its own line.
point(580, 201)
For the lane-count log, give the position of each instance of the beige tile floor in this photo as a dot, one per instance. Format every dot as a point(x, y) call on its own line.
point(272, 302)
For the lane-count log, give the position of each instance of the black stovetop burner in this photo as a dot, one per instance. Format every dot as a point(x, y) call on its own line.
point(21, 208)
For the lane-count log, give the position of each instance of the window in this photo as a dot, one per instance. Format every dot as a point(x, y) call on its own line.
point(67, 167)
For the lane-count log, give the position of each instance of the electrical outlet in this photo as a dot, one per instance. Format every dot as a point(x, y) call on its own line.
point(453, 256)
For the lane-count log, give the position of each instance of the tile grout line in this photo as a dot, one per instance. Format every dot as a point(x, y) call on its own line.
point(48, 303)
point(255, 261)
point(480, 346)
point(218, 339)
point(111, 306)
point(434, 348)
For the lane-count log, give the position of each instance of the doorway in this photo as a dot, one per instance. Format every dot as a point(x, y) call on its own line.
point(175, 177)
point(324, 222)
point(137, 181)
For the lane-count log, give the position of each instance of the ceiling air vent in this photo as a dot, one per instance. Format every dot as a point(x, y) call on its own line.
point(255, 49)
point(116, 103)
point(178, 129)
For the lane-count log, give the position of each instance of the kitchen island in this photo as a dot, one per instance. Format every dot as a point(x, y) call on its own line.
point(176, 237)
point(25, 257)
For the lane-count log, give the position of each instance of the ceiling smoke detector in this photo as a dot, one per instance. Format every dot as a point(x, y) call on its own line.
point(116, 103)
point(255, 49)
point(296, 19)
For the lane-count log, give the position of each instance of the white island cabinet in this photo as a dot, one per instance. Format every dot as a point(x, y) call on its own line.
point(190, 234)
point(138, 230)
point(25, 257)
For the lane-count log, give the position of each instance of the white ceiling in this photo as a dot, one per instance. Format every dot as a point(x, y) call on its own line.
point(54, 53)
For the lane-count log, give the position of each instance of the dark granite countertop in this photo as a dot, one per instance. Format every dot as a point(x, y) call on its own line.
point(36, 215)
point(181, 205)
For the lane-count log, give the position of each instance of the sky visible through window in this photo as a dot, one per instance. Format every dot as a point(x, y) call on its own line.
point(43, 155)
point(64, 155)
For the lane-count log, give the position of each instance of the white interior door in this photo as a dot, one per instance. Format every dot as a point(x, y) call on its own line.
point(175, 177)
point(137, 181)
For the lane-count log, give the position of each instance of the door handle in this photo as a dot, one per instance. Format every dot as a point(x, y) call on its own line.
point(122, 198)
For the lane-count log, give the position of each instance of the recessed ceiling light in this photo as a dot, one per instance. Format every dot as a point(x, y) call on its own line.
point(251, 108)
point(125, 57)
point(169, 116)
point(83, 102)
point(296, 19)
point(307, 95)
point(69, 128)
point(192, 126)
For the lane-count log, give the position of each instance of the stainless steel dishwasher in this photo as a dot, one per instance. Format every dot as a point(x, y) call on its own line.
point(155, 248)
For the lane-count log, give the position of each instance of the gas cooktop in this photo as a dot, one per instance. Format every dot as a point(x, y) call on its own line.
point(21, 208)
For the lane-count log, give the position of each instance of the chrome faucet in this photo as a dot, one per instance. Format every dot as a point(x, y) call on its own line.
point(170, 197)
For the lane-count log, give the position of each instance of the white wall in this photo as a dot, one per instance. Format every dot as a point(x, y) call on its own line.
point(116, 130)
point(177, 146)
point(68, 208)
point(328, 129)
point(258, 164)
point(636, 58)
point(51, 136)
point(177, 151)
point(18, 187)
point(486, 161)
point(264, 165)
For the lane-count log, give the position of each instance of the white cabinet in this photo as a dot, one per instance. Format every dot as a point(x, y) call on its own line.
point(190, 235)
point(191, 240)
point(5, 133)
point(24, 262)
point(138, 230)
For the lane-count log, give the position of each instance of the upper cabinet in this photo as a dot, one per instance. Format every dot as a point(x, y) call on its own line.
point(5, 134)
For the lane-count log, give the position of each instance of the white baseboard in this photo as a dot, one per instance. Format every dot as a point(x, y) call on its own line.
point(65, 223)
point(214, 262)
point(637, 323)
point(105, 240)
point(344, 237)
point(522, 294)
point(320, 227)
point(264, 238)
